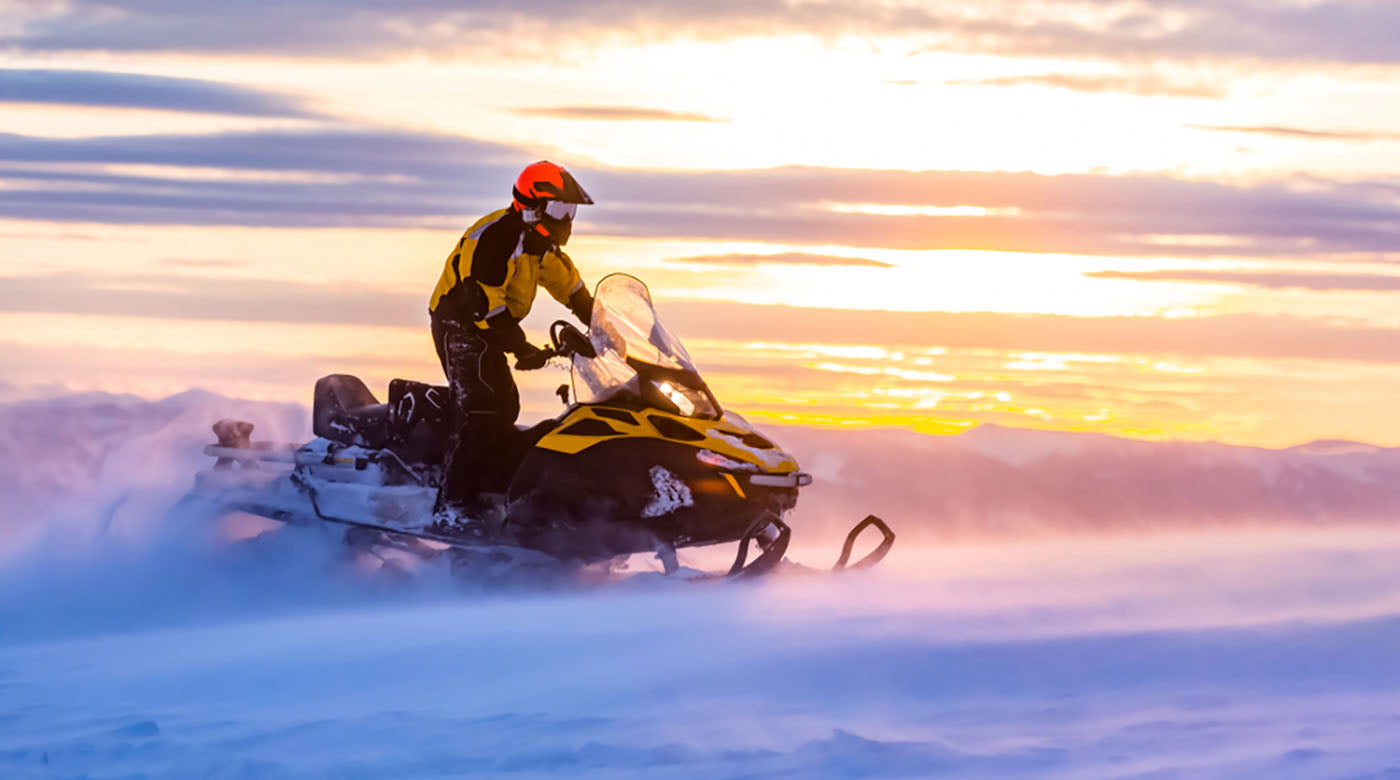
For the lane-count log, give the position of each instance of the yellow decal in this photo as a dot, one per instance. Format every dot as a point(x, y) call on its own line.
point(734, 483)
point(721, 436)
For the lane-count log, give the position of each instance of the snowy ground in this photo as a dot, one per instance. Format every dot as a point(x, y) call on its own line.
point(132, 645)
point(1263, 655)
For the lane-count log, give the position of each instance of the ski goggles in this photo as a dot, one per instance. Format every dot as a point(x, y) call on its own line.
point(558, 209)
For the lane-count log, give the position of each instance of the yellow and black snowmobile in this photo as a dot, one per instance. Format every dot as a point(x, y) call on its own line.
point(643, 460)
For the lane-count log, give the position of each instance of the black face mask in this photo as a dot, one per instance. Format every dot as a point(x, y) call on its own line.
point(559, 229)
point(536, 244)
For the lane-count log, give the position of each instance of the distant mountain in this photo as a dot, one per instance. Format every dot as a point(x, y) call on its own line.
point(1336, 447)
point(995, 481)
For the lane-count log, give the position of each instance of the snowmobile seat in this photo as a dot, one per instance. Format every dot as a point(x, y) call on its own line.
point(419, 420)
point(344, 410)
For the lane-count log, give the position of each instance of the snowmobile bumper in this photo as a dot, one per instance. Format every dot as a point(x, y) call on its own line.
point(794, 480)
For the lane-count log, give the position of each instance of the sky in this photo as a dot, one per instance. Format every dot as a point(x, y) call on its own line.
point(1164, 220)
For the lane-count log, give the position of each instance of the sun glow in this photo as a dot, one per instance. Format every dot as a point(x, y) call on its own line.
point(951, 280)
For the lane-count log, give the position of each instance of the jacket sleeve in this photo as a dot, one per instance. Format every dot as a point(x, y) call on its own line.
point(559, 277)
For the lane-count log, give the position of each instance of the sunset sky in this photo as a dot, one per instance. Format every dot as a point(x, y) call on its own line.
point(1169, 220)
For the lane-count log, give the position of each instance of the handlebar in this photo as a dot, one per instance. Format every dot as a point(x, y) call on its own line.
point(565, 341)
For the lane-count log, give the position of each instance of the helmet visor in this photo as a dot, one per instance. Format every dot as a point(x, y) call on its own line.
point(558, 209)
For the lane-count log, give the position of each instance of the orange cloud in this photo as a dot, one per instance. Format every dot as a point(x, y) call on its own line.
point(614, 114)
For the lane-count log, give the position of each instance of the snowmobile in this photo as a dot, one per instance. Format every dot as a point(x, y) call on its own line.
point(644, 460)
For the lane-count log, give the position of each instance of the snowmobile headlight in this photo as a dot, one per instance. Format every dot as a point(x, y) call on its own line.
point(675, 396)
point(688, 401)
point(712, 458)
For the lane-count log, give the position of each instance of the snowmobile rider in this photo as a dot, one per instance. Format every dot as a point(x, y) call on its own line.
point(487, 287)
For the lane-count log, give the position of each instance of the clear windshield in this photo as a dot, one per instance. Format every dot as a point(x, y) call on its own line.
point(639, 358)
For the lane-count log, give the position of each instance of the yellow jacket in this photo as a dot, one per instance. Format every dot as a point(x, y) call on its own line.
point(492, 256)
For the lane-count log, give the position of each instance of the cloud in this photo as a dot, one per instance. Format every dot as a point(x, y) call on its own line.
point(183, 262)
point(232, 369)
point(614, 114)
point(1235, 335)
point(1335, 31)
point(338, 150)
point(784, 258)
point(377, 177)
point(1140, 84)
point(268, 300)
point(133, 90)
point(396, 178)
point(1082, 214)
point(1304, 133)
point(66, 236)
point(211, 298)
point(1279, 280)
point(1343, 31)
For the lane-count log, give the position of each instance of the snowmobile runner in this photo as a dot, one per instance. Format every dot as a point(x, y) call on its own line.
point(643, 460)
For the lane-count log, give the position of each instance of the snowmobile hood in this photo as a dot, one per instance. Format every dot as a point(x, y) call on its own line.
point(730, 436)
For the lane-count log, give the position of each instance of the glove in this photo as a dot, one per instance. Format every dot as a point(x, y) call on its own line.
point(581, 304)
point(529, 357)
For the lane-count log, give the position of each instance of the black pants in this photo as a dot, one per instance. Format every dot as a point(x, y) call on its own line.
point(484, 406)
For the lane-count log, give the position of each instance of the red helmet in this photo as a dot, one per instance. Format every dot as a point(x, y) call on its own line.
point(547, 196)
point(546, 181)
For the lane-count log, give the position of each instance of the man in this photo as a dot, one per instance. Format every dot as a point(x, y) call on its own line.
point(487, 286)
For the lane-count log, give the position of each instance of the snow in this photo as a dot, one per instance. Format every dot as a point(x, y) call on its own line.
point(994, 666)
point(68, 458)
point(154, 650)
point(670, 493)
